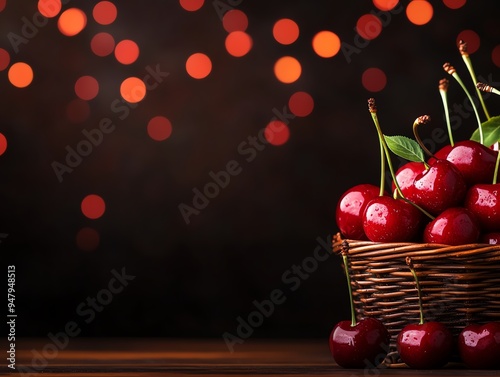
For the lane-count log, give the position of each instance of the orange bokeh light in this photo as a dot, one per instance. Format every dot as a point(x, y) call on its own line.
point(49, 8)
point(20, 75)
point(104, 12)
point(369, 26)
point(78, 110)
point(102, 44)
point(238, 43)
point(93, 206)
point(191, 5)
point(454, 4)
point(287, 69)
point(198, 66)
point(277, 133)
point(419, 12)
point(495, 55)
point(4, 59)
point(471, 38)
point(326, 44)
point(86, 88)
point(3, 144)
point(127, 51)
point(301, 104)
point(234, 20)
point(133, 90)
point(159, 128)
point(374, 79)
point(285, 31)
point(72, 21)
point(87, 239)
point(385, 5)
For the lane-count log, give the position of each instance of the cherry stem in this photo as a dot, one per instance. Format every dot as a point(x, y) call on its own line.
point(443, 90)
point(497, 163)
point(382, 170)
point(487, 88)
point(462, 46)
point(373, 111)
point(424, 119)
point(346, 268)
point(451, 70)
point(420, 306)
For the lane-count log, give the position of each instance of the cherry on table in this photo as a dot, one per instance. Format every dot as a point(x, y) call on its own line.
point(479, 346)
point(425, 345)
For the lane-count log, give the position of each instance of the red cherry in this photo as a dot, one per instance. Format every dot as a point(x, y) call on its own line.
point(475, 161)
point(492, 238)
point(425, 346)
point(438, 188)
point(350, 209)
point(454, 226)
point(391, 220)
point(479, 346)
point(406, 175)
point(484, 201)
point(364, 345)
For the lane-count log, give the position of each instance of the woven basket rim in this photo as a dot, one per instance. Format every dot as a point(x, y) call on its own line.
point(377, 251)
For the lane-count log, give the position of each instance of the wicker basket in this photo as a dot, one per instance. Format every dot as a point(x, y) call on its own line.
point(460, 284)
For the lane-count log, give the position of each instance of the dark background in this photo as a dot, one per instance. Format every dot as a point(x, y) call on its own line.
point(195, 280)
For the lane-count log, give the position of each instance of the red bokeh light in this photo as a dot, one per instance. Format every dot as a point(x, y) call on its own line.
point(159, 128)
point(127, 51)
point(87, 239)
point(49, 8)
point(191, 5)
point(301, 104)
point(198, 66)
point(369, 26)
point(102, 44)
point(471, 38)
point(3, 144)
point(4, 59)
point(235, 20)
point(104, 12)
point(86, 88)
point(93, 206)
point(238, 43)
point(374, 79)
point(285, 31)
point(277, 133)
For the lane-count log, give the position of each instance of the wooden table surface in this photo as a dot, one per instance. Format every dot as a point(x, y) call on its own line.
point(162, 357)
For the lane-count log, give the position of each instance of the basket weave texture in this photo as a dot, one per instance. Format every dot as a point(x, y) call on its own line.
point(460, 284)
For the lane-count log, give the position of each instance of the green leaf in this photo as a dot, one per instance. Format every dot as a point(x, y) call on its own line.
point(405, 147)
point(491, 131)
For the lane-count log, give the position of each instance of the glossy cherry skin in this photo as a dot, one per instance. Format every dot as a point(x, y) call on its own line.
point(492, 238)
point(391, 220)
point(350, 209)
point(479, 346)
point(438, 188)
point(406, 175)
point(484, 201)
point(363, 346)
point(455, 226)
point(475, 161)
point(425, 346)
